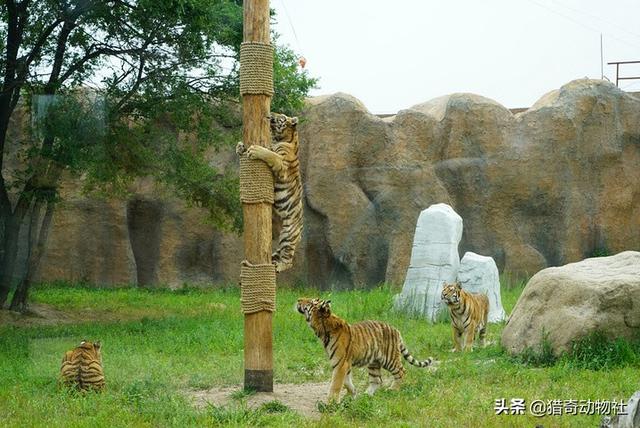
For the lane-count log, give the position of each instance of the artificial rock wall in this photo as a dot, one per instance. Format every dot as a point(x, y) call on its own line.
point(548, 186)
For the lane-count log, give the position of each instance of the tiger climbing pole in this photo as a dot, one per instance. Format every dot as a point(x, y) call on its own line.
point(257, 273)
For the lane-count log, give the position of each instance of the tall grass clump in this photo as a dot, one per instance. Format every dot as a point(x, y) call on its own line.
point(540, 357)
point(597, 351)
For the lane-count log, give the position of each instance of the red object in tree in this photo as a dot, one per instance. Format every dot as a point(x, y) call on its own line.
point(302, 61)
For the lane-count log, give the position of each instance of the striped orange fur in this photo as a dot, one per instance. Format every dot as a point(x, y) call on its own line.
point(469, 313)
point(372, 344)
point(82, 367)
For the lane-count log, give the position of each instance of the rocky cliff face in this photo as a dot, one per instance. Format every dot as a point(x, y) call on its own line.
point(544, 187)
point(540, 188)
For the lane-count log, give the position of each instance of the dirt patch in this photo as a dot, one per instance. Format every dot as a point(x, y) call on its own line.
point(39, 314)
point(302, 398)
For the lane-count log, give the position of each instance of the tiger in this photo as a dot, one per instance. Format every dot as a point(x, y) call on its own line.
point(282, 158)
point(469, 313)
point(372, 344)
point(82, 367)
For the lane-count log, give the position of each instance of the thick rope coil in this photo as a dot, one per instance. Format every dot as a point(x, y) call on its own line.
point(258, 287)
point(256, 68)
point(256, 181)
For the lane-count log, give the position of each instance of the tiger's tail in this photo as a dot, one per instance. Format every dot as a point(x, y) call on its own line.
point(407, 356)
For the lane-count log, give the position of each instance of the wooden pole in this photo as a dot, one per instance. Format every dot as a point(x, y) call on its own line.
point(258, 342)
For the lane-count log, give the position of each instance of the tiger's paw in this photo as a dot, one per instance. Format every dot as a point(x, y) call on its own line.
point(258, 152)
point(240, 148)
point(281, 266)
point(272, 159)
point(372, 389)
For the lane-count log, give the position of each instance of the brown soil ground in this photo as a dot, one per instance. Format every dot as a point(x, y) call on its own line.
point(39, 314)
point(301, 398)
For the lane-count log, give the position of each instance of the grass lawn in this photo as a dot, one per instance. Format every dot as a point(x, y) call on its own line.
point(158, 345)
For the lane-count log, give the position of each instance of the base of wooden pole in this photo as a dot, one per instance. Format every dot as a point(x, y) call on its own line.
point(258, 380)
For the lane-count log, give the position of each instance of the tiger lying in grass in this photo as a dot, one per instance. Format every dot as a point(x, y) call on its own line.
point(372, 344)
point(82, 367)
point(469, 313)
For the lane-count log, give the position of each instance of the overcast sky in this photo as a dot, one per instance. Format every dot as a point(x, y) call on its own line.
point(395, 54)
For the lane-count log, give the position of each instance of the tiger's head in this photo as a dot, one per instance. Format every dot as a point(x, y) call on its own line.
point(92, 347)
point(451, 293)
point(283, 128)
point(314, 309)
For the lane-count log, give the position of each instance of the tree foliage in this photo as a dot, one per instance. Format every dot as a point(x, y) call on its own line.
point(165, 69)
point(122, 89)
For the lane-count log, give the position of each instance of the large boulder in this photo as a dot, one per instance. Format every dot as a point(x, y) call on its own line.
point(479, 274)
point(562, 304)
point(434, 261)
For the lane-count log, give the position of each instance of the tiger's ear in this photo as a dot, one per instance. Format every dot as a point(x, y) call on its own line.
point(325, 306)
point(458, 285)
point(294, 121)
point(97, 345)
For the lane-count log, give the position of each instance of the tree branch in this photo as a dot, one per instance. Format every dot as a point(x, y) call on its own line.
point(93, 55)
point(58, 57)
point(39, 44)
point(135, 85)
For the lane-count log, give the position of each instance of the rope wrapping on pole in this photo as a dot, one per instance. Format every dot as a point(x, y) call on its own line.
point(256, 68)
point(258, 287)
point(256, 181)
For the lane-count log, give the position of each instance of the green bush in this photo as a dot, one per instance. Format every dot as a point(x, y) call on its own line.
point(597, 351)
point(541, 357)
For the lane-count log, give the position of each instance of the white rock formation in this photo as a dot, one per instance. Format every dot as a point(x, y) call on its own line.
point(479, 274)
point(434, 260)
point(630, 418)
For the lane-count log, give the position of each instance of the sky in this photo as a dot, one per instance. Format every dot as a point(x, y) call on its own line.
point(392, 55)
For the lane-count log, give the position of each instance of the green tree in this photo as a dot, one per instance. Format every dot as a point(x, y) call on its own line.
point(164, 91)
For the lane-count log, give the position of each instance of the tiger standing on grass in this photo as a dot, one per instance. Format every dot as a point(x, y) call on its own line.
point(469, 313)
point(282, 158)
point(372, 344)
point(82, 367)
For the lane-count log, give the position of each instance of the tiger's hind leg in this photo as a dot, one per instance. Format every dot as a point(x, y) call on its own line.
point(348, 384)
point(288, 240)
point(482, 335)
point(397, 370)
point(375, 378)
